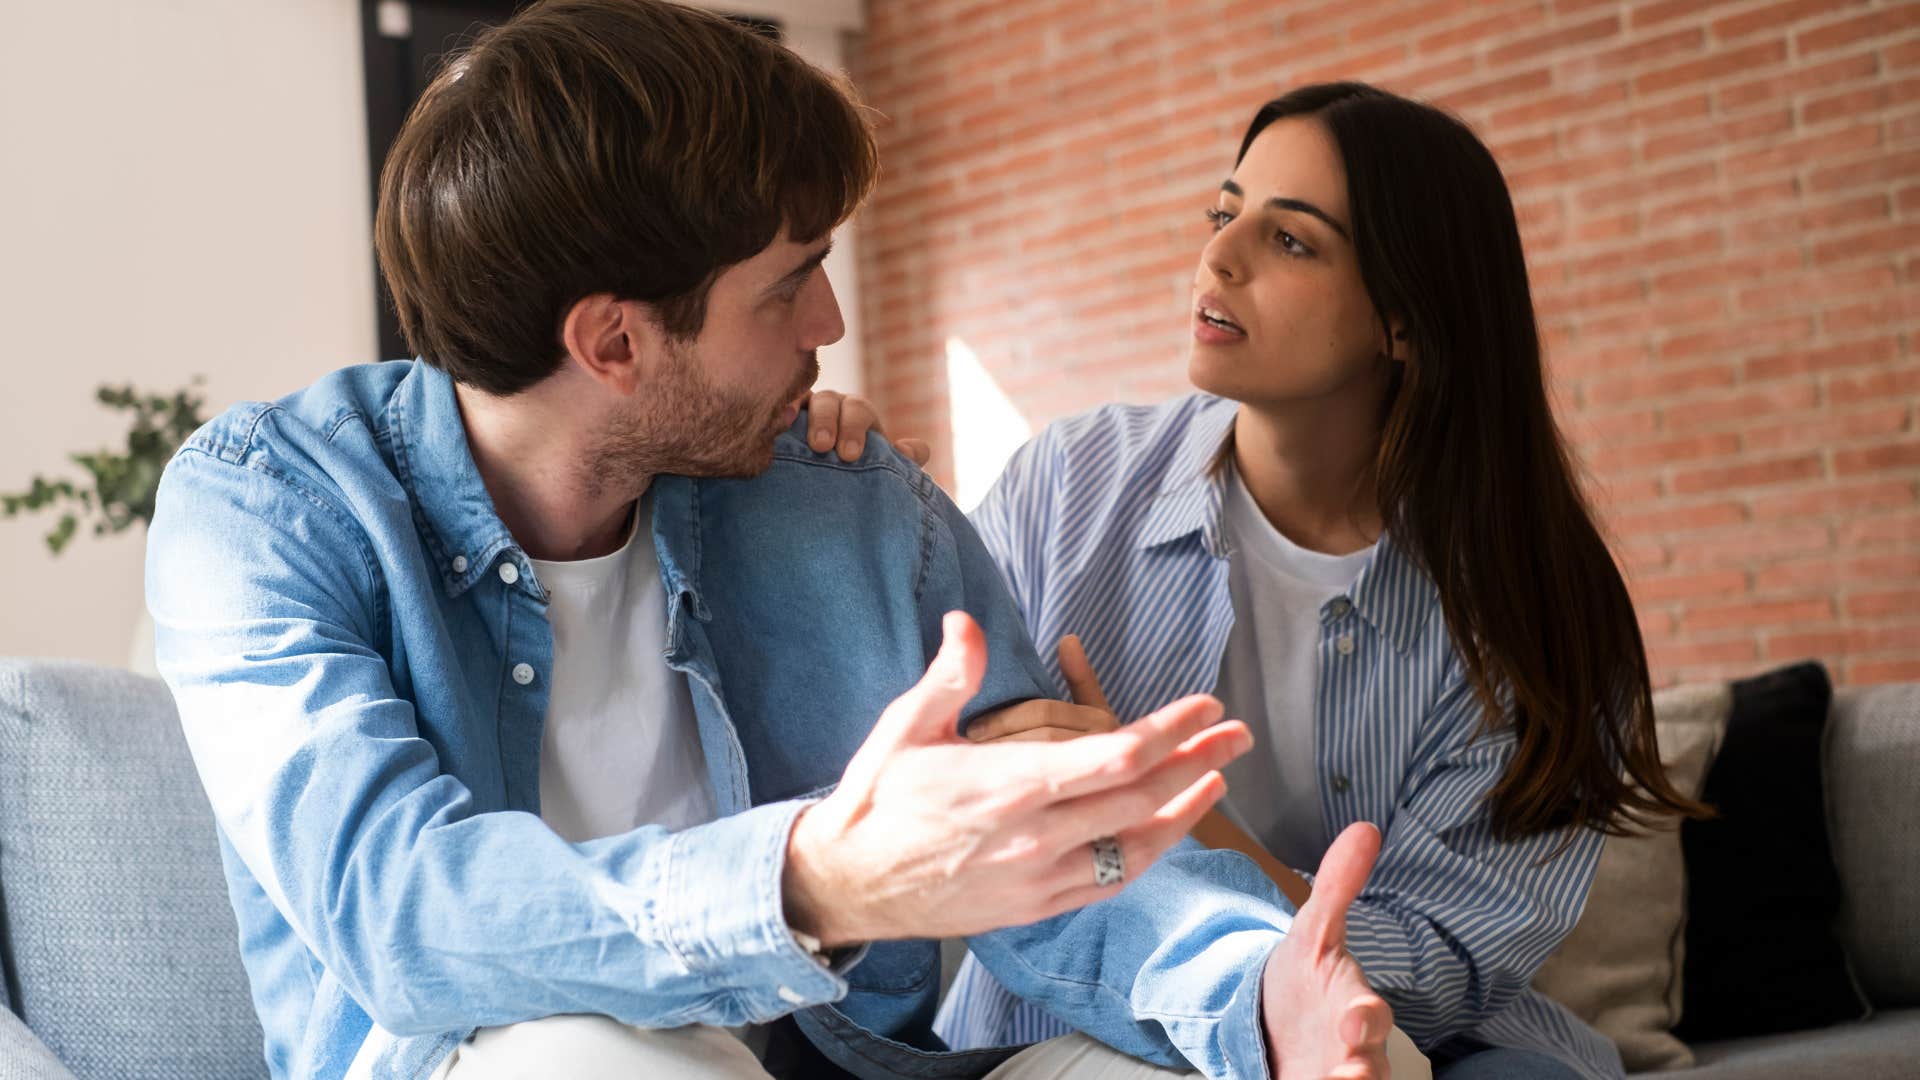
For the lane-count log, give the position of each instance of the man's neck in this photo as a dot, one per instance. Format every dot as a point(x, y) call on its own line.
point(1309, 467)
point(533, 459)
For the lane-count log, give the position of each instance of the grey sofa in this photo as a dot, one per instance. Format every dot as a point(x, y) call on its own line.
point(119, 948)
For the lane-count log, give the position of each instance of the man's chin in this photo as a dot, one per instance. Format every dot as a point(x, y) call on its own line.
point(744, 466)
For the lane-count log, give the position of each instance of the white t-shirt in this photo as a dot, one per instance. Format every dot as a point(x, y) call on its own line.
point(1270, 676)
point(621, 747)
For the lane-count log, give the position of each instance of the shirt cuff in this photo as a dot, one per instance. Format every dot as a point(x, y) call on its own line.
point(1243, 1031)
point(724, 917)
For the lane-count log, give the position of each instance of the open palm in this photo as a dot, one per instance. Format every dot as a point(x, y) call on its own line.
point(1322, 1019)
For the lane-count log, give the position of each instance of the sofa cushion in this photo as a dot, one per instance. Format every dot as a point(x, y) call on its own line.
point(1619, 969)
point(121, 947)
point(1883, 1048)
point(1873, 772)
point(1762, 890)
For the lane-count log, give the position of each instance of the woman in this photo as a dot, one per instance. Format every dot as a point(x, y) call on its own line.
point(1366, 536)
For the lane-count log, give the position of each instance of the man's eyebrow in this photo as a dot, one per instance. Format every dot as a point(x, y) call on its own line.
point(799, 273)
point(1298, 205)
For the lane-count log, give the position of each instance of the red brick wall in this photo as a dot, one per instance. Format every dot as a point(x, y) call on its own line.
point(1721, 208)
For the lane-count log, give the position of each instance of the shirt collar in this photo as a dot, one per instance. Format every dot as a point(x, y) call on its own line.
point(1393, 594)
point(451, 507)
point(1188, 501)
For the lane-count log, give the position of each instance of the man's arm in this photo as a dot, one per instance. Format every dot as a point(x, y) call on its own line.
point(1169, 970)
point(266, 599)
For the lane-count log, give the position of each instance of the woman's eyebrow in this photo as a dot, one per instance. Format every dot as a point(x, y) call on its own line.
point(1300, 205)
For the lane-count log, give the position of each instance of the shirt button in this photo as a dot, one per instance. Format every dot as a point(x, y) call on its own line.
point(1339, 606)
point(1344, 645)
point(459, 564)
point(1340, 784)
point(791, 998)
point(523, 673)
point(509, 573)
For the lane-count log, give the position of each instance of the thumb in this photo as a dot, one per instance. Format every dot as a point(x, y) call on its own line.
point(930, 711)
point(1343, 872)
point(1082, 683)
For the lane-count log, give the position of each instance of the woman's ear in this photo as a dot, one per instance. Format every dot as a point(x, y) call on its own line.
point(1398, 349)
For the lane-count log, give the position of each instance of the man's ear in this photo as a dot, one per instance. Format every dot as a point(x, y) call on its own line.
point(613, 342)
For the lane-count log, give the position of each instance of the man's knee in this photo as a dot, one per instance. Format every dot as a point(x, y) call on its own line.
point(599, 1048)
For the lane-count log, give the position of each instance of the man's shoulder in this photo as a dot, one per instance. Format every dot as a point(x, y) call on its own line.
point(880, 467)
point(314, 447)
point(295, 426)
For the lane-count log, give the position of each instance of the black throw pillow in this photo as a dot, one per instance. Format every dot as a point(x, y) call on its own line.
point(1762, 890)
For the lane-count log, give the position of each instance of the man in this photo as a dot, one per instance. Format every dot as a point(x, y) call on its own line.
point(542, 741)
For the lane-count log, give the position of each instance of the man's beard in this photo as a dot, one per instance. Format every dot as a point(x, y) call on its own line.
point(685, 425)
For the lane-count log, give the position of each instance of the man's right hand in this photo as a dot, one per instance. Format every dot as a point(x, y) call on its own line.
point(932, 836)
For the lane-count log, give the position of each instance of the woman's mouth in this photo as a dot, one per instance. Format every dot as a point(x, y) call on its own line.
point(1213, 326)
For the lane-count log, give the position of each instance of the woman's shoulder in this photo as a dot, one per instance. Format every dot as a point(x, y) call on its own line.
point(1120, 439)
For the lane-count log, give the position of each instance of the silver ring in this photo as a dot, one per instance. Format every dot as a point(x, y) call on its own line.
point(1108, 867)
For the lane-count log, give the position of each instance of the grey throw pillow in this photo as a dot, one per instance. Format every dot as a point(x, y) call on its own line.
point(1873, 777)
point(121, 944)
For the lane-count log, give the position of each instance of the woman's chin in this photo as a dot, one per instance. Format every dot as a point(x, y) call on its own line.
point(1217, 375)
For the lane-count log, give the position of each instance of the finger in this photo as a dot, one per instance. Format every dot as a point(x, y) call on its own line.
point(1078, 671)
point(823, 420)
point(1038, 713)
point(857, 417)
point(1114, 758)
point(1364, 1023)
point(1071, 824)
point(1140, 847)
point(1343, 872)
point(930, 710)
point(1039, 734)
point(916, 449)
point(1368, 1067)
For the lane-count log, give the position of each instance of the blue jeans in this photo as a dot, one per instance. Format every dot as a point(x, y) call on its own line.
point(1503, 1063)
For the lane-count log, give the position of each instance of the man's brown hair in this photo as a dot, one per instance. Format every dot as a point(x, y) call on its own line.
point(631, 147)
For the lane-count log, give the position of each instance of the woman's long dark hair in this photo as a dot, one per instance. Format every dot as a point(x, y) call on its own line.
point(1475, 480)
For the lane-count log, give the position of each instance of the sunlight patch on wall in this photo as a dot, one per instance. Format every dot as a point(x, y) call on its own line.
point(987, 427)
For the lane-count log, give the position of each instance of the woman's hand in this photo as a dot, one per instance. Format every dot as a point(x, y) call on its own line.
point(1052, 721)
point(843, 420)
point(1044, 720)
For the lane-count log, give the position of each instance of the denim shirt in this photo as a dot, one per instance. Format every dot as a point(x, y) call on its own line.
point(359, 652)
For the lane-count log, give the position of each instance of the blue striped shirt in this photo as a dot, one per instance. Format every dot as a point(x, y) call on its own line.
point(1108, 525)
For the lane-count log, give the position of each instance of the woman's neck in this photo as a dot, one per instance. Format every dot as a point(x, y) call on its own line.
point(1310, 469)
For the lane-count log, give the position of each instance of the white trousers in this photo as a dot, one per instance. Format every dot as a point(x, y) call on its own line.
point(598, 1048)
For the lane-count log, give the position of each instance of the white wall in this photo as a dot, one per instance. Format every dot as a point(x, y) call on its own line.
point(183, 189)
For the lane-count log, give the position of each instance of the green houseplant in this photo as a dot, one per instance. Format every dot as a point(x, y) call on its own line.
point(120, 487)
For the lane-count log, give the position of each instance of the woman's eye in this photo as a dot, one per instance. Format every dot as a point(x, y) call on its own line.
point(1218, 218)
point(1290, 244)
